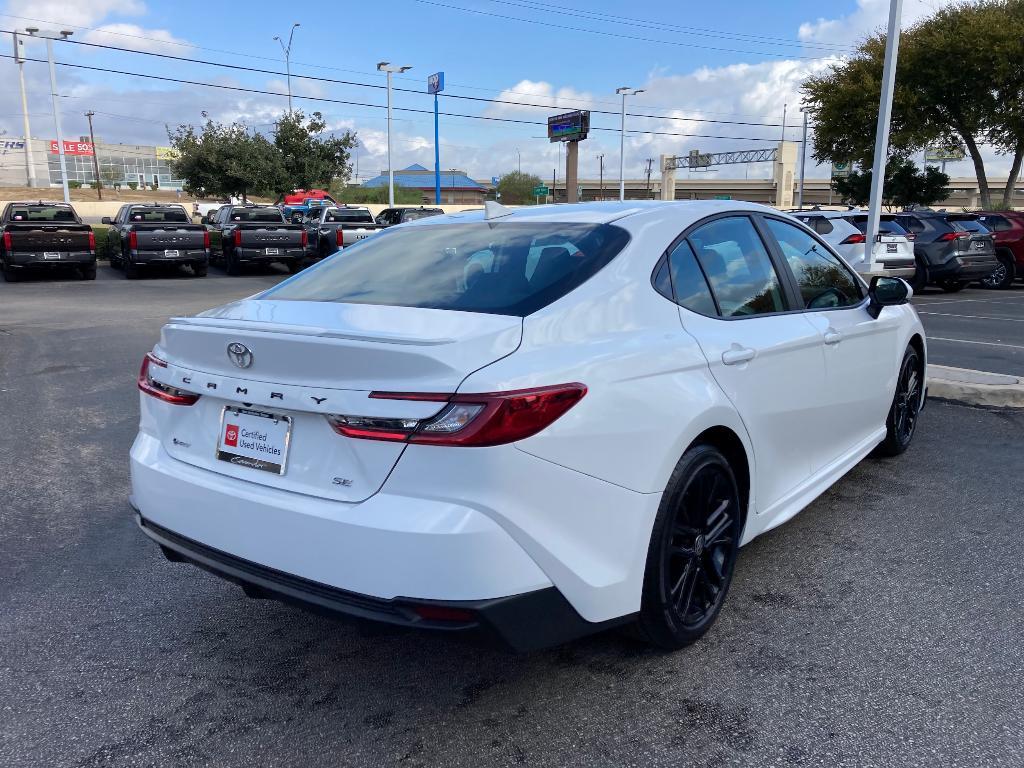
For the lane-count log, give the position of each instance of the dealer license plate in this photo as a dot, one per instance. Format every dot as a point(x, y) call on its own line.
point(273, 251)
point(170, 254)
point(254, 439)
point(51, 255)
point(890, 247)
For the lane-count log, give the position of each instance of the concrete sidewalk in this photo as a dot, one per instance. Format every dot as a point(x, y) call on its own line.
point(963, 385)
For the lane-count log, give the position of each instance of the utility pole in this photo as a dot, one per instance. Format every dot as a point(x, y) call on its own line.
point(624, 91)
point(892, 48)
point(288, 61)
point(95, 161)
point(650, 162)
point(385, 66)
point(600, 160)
point(803, 163)
point(30, 168)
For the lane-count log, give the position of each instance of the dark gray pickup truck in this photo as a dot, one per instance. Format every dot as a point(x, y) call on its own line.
point(144, 236)
point(45, 235)
point(255, 234)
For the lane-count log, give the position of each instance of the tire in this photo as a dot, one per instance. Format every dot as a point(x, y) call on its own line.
point(1004, 275)
point(232, 265)
point(131, 269)
point(952, 286)
point(692, 552)
point(199, 270)
point(10, 275)
point(89, 273)
point(901, 423)
point(294, 266)
point(920, 279)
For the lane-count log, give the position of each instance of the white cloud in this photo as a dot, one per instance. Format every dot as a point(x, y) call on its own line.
point(137, 38)
point(869, 17)
point(63, 14)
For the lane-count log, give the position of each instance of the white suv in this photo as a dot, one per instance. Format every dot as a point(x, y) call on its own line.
point(540, 422)
point(893, 251)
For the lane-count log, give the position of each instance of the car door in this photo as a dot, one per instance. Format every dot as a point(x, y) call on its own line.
point(859, 350)
point(768, 361)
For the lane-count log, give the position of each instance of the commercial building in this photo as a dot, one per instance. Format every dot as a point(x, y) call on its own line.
point(456, 187)
point(119, 164)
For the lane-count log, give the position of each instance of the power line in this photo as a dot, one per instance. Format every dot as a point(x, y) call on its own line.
point(324, 99)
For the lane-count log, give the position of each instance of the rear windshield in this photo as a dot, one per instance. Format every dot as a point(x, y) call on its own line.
point(889, 226)
point(42, 213)
point(340, 214)
point(510, 268)
point(969, 224)
point(175, 215)
point(257, 214)
point(421, 213)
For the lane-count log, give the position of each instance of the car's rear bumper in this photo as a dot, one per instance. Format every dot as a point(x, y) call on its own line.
point(61, 259)
point(525, 622)
point(260, 254)
point(965, 267)
point(198, 256)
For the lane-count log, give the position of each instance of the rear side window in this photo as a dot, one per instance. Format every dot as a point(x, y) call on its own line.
point(911, 224)
point(501, 268)
point(824, 282)
point(736, 262)
point(996, 223)
point(819, 224)
point(688, 285)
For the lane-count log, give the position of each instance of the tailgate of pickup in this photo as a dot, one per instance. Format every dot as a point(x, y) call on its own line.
point(181, 237)
point(52, 238)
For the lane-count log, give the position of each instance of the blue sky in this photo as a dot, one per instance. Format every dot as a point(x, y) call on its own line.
point(705, 67)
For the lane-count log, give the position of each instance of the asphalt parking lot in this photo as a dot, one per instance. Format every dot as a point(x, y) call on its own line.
point(883, 626)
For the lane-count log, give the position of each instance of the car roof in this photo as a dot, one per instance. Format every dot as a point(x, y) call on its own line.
point(598, 212)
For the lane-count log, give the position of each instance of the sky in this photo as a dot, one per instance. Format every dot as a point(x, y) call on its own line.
point(716, 76)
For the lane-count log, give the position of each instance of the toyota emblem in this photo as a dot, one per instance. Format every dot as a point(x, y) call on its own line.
point(239, 354)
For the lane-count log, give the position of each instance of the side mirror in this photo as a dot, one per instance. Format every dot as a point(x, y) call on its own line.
point(106, 220)
point(887, 292)
point(204, 220)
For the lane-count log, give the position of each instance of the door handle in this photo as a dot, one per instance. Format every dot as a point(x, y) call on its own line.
point(832, 336)
point(737, 354)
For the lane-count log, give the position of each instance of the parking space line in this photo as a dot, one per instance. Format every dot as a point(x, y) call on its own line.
point(984, 343)
point(975, 317)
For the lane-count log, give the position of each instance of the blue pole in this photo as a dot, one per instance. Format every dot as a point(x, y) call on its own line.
point(437, 159)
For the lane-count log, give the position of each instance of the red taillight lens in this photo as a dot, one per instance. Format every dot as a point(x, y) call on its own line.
point(238, 237)
point(206, 239)
point(7, 241)
point(468, 420)
point(133, 241)
point(339, 237)
point(157, 389)
point(854, 239)
point(947, 237)
point(304, 239)
point(92, 240)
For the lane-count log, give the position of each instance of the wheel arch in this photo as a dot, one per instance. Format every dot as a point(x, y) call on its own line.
point(725, 440)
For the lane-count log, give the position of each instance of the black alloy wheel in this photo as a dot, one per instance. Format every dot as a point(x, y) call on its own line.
point(693, 551)
point(906, 406)
point(1002, 277)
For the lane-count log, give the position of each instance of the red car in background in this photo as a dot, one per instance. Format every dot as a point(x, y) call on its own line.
point(1007, 228)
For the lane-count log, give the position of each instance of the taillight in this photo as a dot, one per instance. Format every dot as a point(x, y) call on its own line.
point(467, 420)
point(92, 240)
point(854, 239)
point(238, 237)
point(947, 237)
point(7, 241)
point(133, 241)
point(159, 390)
point(206, 239)
point(304, 238)
point(339, 237)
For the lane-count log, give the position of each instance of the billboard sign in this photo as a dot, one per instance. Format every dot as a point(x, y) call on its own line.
point(570, 126)
point(840, 170)
point(435, 82)
point(71, 147)
point(942, 155)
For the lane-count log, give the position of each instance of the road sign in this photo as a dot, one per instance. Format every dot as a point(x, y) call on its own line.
point(540, 191)
point(495, 180)
point(723, 197)
point(942, 155)
point(840, 169)
point(435, 82)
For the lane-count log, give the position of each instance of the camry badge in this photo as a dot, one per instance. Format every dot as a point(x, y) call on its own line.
point(239, 354)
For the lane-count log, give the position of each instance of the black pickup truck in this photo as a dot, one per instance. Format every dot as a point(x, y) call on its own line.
point(331, 228)
point(255, 234)
point(45, 235)
point(145, 236)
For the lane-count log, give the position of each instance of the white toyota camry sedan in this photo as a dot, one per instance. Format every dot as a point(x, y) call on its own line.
point(539, 423)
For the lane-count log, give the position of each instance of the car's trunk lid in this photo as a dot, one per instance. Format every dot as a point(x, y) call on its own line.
point(310, 359)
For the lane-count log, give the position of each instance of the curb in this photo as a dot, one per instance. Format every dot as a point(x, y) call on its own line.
point(962, 385)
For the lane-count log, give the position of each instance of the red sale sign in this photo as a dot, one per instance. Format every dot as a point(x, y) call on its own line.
point(72, 147)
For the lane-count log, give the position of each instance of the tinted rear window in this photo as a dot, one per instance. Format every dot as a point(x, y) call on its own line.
point(257, 214)
point(340, 214)
point(970, 224)
point(42, 213)
point(510, 268)
point(159, 215)
point(421, 214)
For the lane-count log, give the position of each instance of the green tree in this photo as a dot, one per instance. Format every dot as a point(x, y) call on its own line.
point(959, 83)
point(516, 188)
point(310, 159)
point(905, 185)
point(358, 194)
point(226, 160)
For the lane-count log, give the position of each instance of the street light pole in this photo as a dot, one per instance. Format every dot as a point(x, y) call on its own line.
point(892, 49)
point(803, 163)
point(64, 35)
point(624, 92)
point(95, 160)
point(520, 156)
point(385, 66)
point(288, 61)
point(600, 160)
point(30, 168)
